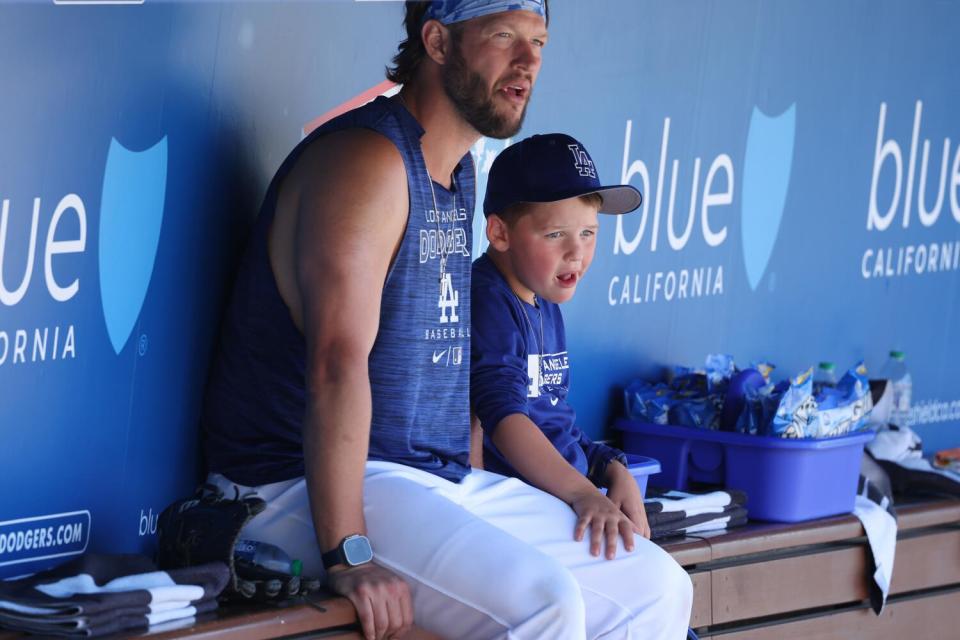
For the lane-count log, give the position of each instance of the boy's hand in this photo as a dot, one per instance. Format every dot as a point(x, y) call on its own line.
point(624, 492)
point(605, 520)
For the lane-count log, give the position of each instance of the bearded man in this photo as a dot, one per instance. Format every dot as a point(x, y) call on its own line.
point(340, 391)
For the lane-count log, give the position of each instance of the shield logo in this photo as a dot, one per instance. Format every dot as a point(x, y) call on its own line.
point(766, 177)
point(131, 212)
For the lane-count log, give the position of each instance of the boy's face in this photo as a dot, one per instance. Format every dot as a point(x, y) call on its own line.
point(548, 249)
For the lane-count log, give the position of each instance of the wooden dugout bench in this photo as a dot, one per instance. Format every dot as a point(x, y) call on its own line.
point(759, 582)
point(808, 580)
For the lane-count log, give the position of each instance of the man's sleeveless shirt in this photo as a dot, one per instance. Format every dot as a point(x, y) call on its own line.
point(420, 362)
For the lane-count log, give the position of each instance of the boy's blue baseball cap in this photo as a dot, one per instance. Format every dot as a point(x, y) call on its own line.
point(451, 11)
point(547, 168)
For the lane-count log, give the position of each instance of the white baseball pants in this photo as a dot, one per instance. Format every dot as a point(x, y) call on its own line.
point(490, 557)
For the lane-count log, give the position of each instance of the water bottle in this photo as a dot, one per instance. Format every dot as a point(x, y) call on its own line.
point(267, 556)
point(826, 375)
point(895, 370)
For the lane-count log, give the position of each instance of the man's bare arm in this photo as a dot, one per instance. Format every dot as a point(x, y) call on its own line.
point(351, 214)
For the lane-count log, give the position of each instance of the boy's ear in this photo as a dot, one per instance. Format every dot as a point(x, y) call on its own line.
point(498, 232)
point(436, 40)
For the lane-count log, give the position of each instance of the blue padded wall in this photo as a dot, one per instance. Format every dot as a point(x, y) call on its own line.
point(799, 163)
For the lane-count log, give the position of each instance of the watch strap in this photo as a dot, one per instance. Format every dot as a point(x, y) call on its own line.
point(333, 557)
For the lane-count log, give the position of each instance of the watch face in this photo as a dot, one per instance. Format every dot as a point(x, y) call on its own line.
point(357, 550)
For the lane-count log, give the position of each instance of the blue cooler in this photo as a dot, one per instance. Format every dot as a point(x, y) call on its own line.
point(785, 480)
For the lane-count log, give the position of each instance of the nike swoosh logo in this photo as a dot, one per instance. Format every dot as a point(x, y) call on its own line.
point(437, 356)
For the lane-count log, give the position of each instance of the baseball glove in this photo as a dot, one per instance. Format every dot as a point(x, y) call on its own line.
point(205, 528)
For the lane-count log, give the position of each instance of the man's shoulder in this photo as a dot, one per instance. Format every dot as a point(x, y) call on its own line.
point(360, 137)
point(359, 148)
point(349, 160)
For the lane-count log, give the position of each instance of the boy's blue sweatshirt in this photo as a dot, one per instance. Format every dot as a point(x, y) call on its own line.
point(511, 371)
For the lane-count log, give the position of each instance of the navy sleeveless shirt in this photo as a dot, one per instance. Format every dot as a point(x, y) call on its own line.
point(420, 362)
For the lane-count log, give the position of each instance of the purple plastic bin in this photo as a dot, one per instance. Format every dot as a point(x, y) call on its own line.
point(785, 480)
point(642, 468)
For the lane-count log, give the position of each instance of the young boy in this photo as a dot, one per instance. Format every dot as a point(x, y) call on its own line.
point(542, 201)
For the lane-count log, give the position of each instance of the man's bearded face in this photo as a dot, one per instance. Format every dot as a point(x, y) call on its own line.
point(469, 92)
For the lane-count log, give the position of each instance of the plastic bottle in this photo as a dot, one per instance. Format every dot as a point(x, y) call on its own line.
point(826, 375)
point(267, 556)
point(895, 370)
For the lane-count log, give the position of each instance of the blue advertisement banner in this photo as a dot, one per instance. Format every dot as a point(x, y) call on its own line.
point(32, 540)
point(798, 161)
point(801, 193)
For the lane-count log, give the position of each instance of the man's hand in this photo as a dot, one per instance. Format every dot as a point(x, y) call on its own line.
point(381, 597)
point(624, 492)
point(605, 520)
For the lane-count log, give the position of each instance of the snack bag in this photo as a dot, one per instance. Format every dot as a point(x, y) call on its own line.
point(795, 408)
point(844, 408)
point(648, 402)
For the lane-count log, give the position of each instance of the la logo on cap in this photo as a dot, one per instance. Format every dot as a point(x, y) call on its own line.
point(582, 161)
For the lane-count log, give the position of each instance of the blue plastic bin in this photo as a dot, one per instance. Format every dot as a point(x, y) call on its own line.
point(785, 480)
point(642, 468)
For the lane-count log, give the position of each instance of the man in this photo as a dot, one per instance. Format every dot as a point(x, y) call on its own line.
point(340, 390)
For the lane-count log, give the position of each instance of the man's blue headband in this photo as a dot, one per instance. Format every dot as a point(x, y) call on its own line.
point(450, 11)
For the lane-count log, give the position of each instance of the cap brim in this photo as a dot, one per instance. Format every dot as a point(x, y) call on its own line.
point(619, 199)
